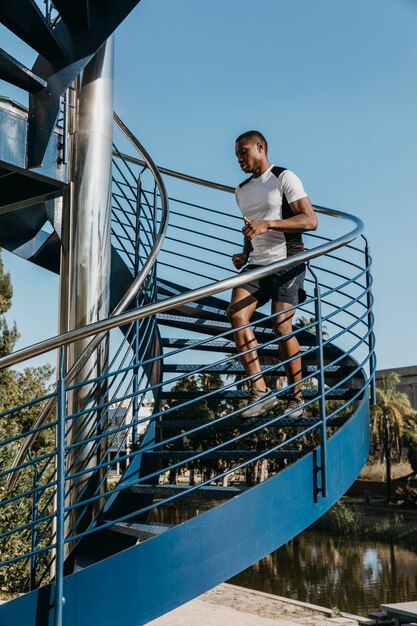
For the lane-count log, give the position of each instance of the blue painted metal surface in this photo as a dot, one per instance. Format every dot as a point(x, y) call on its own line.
point(170, 569)
point(139, 375)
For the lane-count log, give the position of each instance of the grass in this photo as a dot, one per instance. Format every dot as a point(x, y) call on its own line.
point(379, 522)
point(376, 471)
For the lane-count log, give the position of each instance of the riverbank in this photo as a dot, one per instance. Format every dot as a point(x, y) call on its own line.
point(378, 521)
point(231, 605)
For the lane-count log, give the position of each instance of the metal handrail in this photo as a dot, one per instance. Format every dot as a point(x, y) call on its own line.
point(119, 319)
point(122, 319)
point(129, 296)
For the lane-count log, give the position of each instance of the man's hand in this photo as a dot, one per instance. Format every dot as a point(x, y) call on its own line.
point(253, 228)
point(240, 259)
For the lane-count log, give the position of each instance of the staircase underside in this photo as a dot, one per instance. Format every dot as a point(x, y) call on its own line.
point(162, 573)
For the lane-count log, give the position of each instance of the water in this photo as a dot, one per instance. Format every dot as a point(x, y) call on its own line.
point(330, 570)
point(336, 571)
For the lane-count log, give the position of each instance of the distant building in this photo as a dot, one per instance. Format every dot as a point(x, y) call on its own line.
point(407, 384)
point(121, 415)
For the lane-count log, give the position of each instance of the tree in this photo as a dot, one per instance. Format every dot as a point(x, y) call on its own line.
point(8, 336)
point(388, 416)
point(18, 388)
point(409, 440)
point(303, 321)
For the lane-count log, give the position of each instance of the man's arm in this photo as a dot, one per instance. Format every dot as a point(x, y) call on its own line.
point(304, 218)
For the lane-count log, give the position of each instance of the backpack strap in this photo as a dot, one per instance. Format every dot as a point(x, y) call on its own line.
point(245, 182)
point(294, 241)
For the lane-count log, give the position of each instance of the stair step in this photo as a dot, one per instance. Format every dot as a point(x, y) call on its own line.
point(84, 560)
point(225, 454)
point(207, 491)
point(207, 326)
point(17, 74)
point(26, 20)
point(238, 394)
point(237, 368)
point(74, 14)
point(229, 347)
point(141, 530)
point(236, 423)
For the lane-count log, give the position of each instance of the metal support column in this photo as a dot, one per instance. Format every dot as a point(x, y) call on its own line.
point(85, 263)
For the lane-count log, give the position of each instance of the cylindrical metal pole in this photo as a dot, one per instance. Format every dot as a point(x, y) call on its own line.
point(321, 389)
point(372, 360)
point(86, 256)
point(34, 534)
point(60, 495)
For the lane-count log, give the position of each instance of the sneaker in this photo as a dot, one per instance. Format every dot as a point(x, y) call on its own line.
point(265, 402)
point(295, 407)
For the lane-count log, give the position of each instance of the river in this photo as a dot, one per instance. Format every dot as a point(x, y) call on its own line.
point(331, 570)
point(336, 571)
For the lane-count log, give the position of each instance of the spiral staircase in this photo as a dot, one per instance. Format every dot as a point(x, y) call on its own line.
point(243, 487)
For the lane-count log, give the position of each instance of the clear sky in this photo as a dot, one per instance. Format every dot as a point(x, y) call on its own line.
point(333, 86)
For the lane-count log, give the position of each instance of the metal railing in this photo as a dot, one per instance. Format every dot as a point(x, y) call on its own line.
point(140, 265)
point(195, 426)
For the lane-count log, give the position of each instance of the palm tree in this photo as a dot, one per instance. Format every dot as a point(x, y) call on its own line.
point(303, 321)
point(388, 416)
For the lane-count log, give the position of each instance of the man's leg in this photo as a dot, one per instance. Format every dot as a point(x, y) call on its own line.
point(239, 312)
point(288, 347)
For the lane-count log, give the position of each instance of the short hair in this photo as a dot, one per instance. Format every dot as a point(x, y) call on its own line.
point(255, 135)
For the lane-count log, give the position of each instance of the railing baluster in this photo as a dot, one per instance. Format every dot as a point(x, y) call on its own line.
point(60, 508)
point(321, 385)
point(34, 532)
point(372, 360)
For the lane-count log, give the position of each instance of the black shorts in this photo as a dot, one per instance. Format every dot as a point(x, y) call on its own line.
point(283, 286)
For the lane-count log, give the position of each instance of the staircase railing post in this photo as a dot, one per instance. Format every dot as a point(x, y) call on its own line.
point(60, 497)
point(372, 358)
point(321, 385)
point(135, 404)
point(34, 533)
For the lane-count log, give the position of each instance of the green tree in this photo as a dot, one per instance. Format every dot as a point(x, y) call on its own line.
point(303, 321)
point(388, 417)
point(8, 335)
point(16, 389)
point(409, 440)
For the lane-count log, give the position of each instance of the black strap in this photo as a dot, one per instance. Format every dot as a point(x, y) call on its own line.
point(294, 241)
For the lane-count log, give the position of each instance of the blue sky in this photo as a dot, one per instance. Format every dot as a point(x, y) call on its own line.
point(331, 83)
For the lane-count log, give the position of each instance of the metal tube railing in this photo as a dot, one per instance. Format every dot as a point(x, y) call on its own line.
point(129, 296)
point(196, 294)
point(135, 390)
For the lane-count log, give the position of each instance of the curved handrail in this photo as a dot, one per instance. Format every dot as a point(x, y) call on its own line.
point(129, 296)
point(125, 318)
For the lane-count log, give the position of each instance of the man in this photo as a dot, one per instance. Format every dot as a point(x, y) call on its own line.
point(276, 210)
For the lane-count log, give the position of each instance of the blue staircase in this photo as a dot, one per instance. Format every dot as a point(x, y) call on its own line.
point(167, 408)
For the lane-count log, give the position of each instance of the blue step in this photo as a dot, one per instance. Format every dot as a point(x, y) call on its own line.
point(206, 491)
point(17, 74)
point(239, 424)
point(140, 530)
point(25, 19)
point(229, 347)
point(209, 326)
point(238, 394)
point(235, 368)
point(278, 455)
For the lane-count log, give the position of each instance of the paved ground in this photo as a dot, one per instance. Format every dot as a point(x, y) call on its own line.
point(228, 605)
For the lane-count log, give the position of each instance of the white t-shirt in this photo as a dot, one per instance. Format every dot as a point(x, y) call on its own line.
point(261, 199)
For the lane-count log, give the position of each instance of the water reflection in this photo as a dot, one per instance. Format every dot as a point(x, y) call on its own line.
point(328, 570)
point(355, 576)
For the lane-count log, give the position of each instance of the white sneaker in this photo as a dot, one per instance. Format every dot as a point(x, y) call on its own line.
point(295, 407)
point(265, 402)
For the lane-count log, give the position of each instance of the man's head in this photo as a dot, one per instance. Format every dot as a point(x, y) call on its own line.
point(251, 151)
